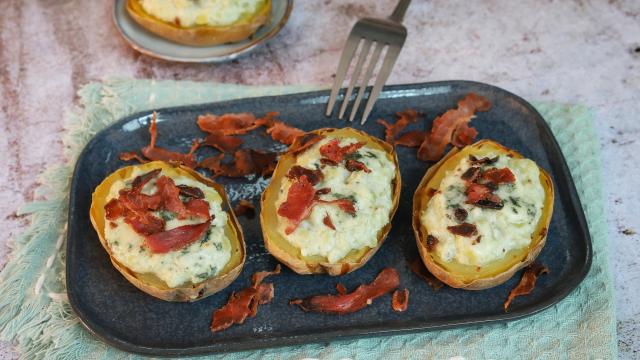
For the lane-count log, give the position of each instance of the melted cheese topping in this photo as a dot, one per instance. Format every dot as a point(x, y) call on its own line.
point(510, 228)
point(195, 263)
point(371, 193)
point(201, 12)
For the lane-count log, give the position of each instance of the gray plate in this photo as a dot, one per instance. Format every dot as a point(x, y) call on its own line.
point(158, 47)
point(120, 314)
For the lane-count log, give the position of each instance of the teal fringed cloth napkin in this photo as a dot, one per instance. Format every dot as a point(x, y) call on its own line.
point(34, 311)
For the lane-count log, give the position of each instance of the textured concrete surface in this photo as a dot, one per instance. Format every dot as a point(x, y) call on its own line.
point(571, 51)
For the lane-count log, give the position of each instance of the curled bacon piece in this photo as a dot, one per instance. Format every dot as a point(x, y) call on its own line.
point(230, 124)
point(327, 221)
point(387, 281)
point(418, 268)
point(404, 119)
point(132, 155)
point(355, 165)
point(299, 203)
point(345, 205)
point(400, 300)
point(152, 152)
point(304, 142)
point(341, 289)
point(498, 176)
point(297, 171)
point(177, 238)
point(482, 196)
point(527, 282)
point(246, 208)
point(284, 133)
point(464, 229)
point(411, 139)
point(483, 161)
point(191, 192)
point(224, 143)
point(451, 127)
point(244, 303)
point(335, 153)
point(246, 162)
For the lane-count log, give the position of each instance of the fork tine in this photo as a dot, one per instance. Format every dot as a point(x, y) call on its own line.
point(367, 76)
point(385, 70)
point(345, 59)
point(356, 74)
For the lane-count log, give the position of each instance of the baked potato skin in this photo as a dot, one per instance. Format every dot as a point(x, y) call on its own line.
point(476, 281)
point(288, 254)
point(151, 284)
point(199, 35)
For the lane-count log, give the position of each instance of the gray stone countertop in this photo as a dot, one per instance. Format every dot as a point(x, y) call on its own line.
point(577, 51)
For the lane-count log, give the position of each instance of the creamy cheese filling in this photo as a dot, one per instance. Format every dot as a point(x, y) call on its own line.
point(194, 263)
point(201, 12)
point(371, 193)
point(502, 230)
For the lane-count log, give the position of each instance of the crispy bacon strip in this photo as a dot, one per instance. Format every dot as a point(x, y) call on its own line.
point(387, 281)
point(224, 143)
point(299, 203)
point(404, 119)
point(355, 165)
point(400, 300)
point(527, 282)
point(483, 161)
point(345, 205)
point(463, 135)
point(411, 138)
point(177, 238)
point(132, 155)
point(145, 223)
point(327, 221)
point(335, 153)
point(482, 196)
point(304, 142)
point(152, 152)
point(314, 176)
point(244, 303)
point(191, 192)
point(498, 176)
point(464, 229)
point(418, 268)
point(284, 133)
point(446, 128)
point(230, 124)
point(246, 162)
point(246, 208)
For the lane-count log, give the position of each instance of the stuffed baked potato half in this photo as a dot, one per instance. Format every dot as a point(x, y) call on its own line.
point(196, 27)
point(330, 202)
point(480, 214)
point(168, 230)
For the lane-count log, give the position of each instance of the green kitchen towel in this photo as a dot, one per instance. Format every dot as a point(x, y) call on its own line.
point(35, 313)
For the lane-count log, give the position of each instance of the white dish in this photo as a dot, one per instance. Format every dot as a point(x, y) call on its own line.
point(158, 47)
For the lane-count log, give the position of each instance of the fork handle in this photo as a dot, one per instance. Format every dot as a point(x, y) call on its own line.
point(398, 12)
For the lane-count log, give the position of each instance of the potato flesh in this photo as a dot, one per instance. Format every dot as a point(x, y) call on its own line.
point(203, 12)
point(500, 231)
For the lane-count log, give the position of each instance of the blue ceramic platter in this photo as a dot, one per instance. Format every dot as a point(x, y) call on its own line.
point(121, 315)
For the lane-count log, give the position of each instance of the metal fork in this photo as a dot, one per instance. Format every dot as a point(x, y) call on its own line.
point(376, 33)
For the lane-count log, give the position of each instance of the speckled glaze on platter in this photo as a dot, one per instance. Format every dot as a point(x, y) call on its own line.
point(118, 313)
point(158, 47)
